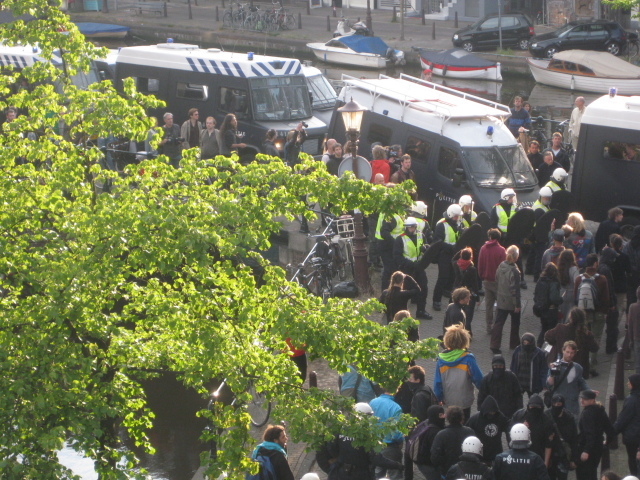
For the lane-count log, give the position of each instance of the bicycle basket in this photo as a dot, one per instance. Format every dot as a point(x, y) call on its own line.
point(345, 227)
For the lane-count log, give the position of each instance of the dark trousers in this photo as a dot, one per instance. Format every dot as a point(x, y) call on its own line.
point(445, 277)
point(548, 321)
point(301, 363)
point(589, 470)
point(388, 265)
point(420, 276)
point(632, 450)
point(469, 310)
point(496, 332)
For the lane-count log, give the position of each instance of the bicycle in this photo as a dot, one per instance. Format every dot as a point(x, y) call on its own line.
point(538, 133)
point(632, 47)
point(259, 407)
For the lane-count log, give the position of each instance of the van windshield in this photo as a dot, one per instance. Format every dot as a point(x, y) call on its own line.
point(280, 98)
point(324, 96)
point(500, 167)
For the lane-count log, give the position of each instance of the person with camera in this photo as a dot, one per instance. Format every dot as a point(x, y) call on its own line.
point(565, 378)
point(565, 443)
point(171, 143)
point(394, 154)
point(293, 147)
point(404, 172)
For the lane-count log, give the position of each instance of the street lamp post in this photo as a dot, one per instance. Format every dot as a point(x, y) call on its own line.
point(352, 114)
point(369, 20)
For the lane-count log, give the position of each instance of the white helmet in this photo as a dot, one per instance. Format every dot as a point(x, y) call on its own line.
point(520, 436)
point(454, 210)
point(364, 408)
point(559, 174)
point(410, 222)
point(310, 476)
point(420, 207)
point(465, 200)
point(546, 192)
point(506, 193)
point(472, 445)
point(630, 477)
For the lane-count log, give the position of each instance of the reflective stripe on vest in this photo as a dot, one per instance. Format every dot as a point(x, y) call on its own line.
point(450, 235)
point(553, 186)
point(503, 218)
point(410, 250)
point(466, 224)
point(397, 230)
point(422, 224)
point(538, 204)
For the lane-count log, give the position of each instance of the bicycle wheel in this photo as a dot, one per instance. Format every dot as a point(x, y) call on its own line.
point(259, 407)
point(227, 19)
point(289, 22)
point(633, 48)
point(250, 22)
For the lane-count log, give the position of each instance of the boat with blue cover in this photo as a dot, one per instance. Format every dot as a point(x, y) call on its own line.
point(358, 51)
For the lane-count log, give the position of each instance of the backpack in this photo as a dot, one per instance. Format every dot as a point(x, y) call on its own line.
point(541, 298)
point(266, 472)
point(587, 293)
point(418, 449)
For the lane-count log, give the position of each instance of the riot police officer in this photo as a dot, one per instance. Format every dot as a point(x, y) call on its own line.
point(448, 230)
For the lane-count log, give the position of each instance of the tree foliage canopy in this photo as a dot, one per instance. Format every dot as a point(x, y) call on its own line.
point(163, 272)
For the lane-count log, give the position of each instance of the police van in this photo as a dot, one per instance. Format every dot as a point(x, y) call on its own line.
point(607, 164)
point(262, 91)
point(459, 143)
point(24, 56)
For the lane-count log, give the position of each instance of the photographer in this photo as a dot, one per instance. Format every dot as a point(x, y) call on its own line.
point(171, 143)
point(293, 147)
point(565, 378)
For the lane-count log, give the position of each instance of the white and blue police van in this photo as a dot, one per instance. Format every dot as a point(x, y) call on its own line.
point(459, 143)
point(263, 92)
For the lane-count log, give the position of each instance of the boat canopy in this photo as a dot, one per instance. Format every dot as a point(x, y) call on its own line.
point(362, 44)
point(603, 64)
point(90, 28)
point(454, 57)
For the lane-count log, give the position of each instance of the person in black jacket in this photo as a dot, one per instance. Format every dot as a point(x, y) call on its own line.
point(594, 423)
point(447, 446)
point(355, 463)
point(470, 464)
point(519, 463)
point(566, 437)
point(542, 431)
point(455, 312)
point(489, 424)
point(608, 227)
point(547, 299)
point(273, 446)
point(435, 421)
point(503, 386)
point(628, 422)
point(401, 289)
point(465, 274)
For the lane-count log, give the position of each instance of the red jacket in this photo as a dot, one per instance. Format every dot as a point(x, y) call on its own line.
point(491, 255)
point(380, 166)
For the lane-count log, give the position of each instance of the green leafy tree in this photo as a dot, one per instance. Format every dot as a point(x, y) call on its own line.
point(161, 273)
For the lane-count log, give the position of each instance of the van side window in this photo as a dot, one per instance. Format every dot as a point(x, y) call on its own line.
point(379, 133)
point(448, 161)
point(147, 85)
point(234, 100)
point(621, 151)
point(418, 149)
point(192, 91)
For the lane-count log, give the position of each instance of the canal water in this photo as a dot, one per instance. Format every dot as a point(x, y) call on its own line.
point(176, 430)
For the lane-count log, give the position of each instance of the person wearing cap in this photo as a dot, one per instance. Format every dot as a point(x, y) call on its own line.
point(565, 443)
point(593, 424)
point(503, 385)
point(519, 463)
point(470, 464)
point(628, 422)
point(565, 377)
point(356, 463)
point(546, 168)
point(552, 254)
point(447, 230)
point(489, 423)
point(408, 249)
point(427, 73)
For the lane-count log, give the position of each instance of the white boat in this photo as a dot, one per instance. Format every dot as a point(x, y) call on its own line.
point(587, 71)
point(458, 63)
point(358, 51)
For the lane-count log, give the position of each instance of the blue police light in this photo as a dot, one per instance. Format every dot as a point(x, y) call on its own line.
point(490, 131)
point(613, 91)
point(169, 40)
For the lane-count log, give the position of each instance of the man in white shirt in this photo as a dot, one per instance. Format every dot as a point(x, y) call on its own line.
point(576, 119)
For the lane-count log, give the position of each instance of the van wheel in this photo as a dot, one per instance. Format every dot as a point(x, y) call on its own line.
point(468, 46)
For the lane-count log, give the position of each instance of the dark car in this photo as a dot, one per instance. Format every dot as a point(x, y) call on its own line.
point(601, 35)
point(516, 28)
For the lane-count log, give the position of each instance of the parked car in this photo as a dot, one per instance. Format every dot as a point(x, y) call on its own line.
point(517, 30)
point(603, 35)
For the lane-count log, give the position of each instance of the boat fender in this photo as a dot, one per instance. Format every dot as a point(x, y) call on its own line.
point(444, 70)
point(389, 54)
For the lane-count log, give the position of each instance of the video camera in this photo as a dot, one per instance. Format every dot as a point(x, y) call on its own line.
point(556, 367)
point(171, 140)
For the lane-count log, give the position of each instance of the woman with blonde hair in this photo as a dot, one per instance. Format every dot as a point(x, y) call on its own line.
point(581, 240)
point(457, 370)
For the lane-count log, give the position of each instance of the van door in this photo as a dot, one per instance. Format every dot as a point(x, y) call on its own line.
point(447, 170)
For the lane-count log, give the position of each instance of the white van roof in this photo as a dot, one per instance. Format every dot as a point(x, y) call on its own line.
point(182, 56)
point(617, 111)
point(456, 115)
point(23, 56)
